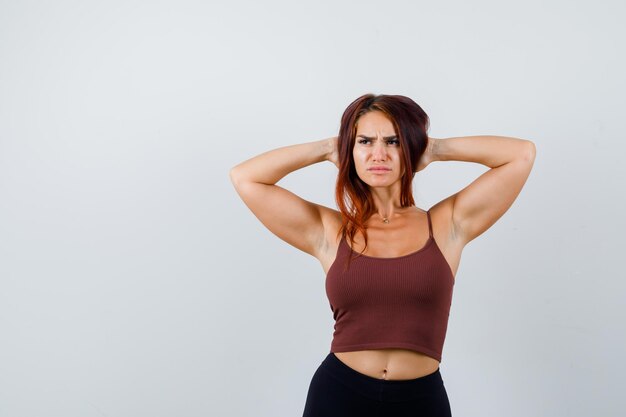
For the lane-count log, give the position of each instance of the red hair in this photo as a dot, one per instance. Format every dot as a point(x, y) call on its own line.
point(352, 195)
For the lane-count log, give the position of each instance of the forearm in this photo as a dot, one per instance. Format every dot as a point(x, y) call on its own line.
point(269, 167)
point(492, 151)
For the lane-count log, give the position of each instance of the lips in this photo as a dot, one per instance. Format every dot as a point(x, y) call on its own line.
point(379, 169)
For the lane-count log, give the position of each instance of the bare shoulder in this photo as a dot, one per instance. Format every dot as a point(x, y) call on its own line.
point(441, 217)
point(331, 219)
point(327, 246)
point(445, 233)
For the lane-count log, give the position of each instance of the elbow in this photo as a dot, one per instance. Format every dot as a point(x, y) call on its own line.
point(529, 151)
point(234, 176)
point(239, 177)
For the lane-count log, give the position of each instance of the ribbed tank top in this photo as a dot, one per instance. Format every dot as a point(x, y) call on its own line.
point(399, 302)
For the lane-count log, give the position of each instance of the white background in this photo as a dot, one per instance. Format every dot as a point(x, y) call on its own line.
point(135, 282)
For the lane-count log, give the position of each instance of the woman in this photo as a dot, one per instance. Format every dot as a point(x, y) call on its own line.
point(390, 265)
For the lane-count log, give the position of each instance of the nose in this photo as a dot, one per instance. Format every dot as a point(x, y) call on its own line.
point(379, 152)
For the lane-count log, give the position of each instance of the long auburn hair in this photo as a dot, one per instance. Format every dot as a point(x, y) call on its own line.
point(352, 195)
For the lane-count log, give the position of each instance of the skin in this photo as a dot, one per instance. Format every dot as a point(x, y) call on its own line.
point(376, 145)
point(456, 220)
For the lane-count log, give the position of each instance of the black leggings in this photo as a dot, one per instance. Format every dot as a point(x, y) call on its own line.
point(337, 390)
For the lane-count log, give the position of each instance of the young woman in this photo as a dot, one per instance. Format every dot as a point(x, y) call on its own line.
point(390, 266)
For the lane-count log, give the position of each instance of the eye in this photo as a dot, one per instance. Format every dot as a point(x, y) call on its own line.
point(393, 142)
point(363, 140)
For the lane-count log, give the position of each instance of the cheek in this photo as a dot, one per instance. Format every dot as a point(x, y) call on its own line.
point(357, 157)
point(398, 159)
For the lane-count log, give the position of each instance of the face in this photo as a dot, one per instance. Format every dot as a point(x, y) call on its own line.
point(377, 151)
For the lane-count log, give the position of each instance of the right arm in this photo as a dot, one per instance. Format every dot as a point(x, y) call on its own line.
point(296, 221)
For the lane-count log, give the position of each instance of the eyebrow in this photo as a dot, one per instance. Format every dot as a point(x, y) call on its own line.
point(386, 137)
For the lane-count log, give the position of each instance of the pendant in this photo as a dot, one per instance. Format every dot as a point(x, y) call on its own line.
point(385, 220)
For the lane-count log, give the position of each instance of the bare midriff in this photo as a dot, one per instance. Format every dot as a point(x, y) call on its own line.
point(389, 364)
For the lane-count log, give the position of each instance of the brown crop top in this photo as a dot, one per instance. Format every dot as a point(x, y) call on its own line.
point(399, 302)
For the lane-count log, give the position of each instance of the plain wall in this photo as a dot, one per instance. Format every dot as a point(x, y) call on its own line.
point(135, 282)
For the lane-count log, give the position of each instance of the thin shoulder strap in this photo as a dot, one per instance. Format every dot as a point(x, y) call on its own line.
point(430, 227)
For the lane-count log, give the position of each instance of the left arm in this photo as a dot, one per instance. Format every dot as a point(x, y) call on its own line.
point(478, 206)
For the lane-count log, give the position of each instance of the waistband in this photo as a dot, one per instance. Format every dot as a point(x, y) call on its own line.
point(382, 389)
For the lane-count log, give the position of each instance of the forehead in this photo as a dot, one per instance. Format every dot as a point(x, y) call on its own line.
point(374, 122)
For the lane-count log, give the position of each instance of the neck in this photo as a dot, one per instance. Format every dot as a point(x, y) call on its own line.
point(387, 204)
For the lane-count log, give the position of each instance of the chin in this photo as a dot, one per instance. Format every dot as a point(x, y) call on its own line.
point(373, 181)
point(380, 184)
